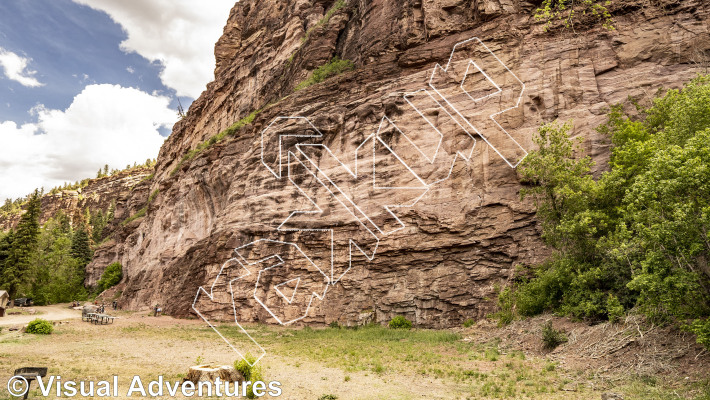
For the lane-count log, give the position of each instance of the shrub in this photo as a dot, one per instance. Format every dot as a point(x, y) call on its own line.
point(637, 235)
point(334, 325)
point(552, 337)
point(701, 329)
point(336, 66)
point(40, 327)
point(614, 309)
point(399, 322)
point(328, 397)
point(551, 10)
point(469, 323)
point(506, 312)
point(111, 277)
point(251, 372)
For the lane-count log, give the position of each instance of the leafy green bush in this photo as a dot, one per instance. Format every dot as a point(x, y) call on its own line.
point(638, 235)
point(506, 311)
point(111, 277)
point(552, 337)
point(614, 309)
point(399, 322)
point(251, 371)
point(563, 10)
point(40, 327)
point(328, 397)
point(336, 66)
point(334, 325)
point(469, 323)
point(701, 329)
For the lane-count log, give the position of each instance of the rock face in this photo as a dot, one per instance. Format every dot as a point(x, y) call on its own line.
point(440, 260)
point(98, 194)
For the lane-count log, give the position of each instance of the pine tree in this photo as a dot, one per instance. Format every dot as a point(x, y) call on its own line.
point(19, 261)
point(5, 247)
point(80, 248)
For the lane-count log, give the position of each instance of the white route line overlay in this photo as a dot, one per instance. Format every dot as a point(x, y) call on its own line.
point(347, 202)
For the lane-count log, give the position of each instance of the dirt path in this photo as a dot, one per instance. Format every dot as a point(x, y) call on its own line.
point(55, 312)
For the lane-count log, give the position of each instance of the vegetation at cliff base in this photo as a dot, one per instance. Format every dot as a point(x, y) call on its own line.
point(335, 66)
point(399, 322)
point(111, 277)
point(251, 371)
point(637, 237)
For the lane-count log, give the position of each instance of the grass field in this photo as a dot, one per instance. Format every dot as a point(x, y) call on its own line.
point(371, 362)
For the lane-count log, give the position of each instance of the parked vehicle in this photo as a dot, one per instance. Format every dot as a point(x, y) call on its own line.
point(23, 302)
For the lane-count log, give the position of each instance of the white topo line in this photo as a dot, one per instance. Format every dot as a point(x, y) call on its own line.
point(297, 155)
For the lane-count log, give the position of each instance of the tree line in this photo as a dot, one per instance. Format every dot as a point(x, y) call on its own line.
point(47, 262)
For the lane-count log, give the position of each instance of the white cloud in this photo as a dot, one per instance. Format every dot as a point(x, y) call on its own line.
point(105, 124)
point(180, 34)
point(15, 68)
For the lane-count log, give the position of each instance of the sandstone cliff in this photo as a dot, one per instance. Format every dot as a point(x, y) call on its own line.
point(463, 237)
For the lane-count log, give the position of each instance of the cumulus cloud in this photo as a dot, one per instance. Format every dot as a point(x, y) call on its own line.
point(16, 68)
point(105, 124)
point(180, 34)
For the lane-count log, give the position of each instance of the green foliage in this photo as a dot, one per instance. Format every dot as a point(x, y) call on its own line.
point(506, 312)
point(231, 131)
point(12, 207)
point(335, 66)
point(98, 222)
point(111, 277)
point(469, 323)
point(149, 163)
point(325, 20)
point(80, 248)
point(328, 397)
point(57, 276)
point(40, 327)
point(637, 236)
point(614, 309)
point(399, 322)
point(701, 329)
point(552, 337)
point(251, 371)
point(563, 10)
point(334, 325)
point(139, 214)
point(18, 264)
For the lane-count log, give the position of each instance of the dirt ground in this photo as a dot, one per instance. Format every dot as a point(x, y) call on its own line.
point(50, 313)
point(482, 362)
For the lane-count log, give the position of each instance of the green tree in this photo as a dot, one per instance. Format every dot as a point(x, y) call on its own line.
point(111, 276)
point(638, 236)
point(5, 248)
point(80, 247)
point(18, 264)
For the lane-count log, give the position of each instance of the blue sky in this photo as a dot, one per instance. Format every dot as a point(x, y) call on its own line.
point(89, 82)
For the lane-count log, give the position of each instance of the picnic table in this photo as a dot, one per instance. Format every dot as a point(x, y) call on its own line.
point(98, 319)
